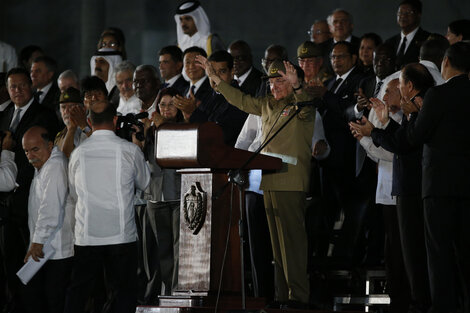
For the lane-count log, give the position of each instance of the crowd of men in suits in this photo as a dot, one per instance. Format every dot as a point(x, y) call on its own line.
point(390, 161)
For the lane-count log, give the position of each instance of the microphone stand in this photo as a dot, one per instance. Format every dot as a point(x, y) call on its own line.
point(235, 177)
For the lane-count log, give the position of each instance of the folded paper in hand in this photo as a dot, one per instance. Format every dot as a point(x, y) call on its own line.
point(32, 267)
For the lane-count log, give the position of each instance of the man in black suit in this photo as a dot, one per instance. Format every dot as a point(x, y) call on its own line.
point(415, 80)
point(248, 78)
point(442, 125)
point(198, 95)
point(341, 27)
point(334, 104)
point(218, 110)
point(171, 65)
point(22, 113)
point(47, 93)
point(408, 42)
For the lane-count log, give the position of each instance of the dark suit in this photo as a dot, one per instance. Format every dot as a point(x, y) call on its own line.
point(114, 96)
point(339, 168)
point(252, 82)
point(14, 233)
point(181, 85)
point(412, 53)
point(51, 101)
point(327, 46)
point(407, 187)
point(203, 94)
point(230, 118)
point(442, 126)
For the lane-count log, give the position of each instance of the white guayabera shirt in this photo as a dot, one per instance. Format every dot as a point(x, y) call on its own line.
point(48, 218)
point(104, 172)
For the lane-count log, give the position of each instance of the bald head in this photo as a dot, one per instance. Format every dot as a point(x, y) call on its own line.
point(37, 145)
point(392, 96)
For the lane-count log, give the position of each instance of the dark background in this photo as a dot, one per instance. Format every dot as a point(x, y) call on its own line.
point(68, 30)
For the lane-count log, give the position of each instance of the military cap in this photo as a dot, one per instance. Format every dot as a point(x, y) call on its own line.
point(275, 67)
point(309, 49)
point(70, 95)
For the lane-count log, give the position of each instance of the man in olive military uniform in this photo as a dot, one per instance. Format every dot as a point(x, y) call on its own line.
point(284, 190)
point(73, 114)
point(310, 58)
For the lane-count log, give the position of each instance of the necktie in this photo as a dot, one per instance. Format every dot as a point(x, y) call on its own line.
point(37, 96)
point(377, 88)
point(193, 88)
point(16, 120)
point(401, 51)
point(335, 85)
point(165, 85)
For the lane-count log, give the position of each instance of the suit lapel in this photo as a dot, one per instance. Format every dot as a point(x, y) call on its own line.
point(7, 116)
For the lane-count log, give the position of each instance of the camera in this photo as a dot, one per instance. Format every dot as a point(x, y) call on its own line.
point(125, 123)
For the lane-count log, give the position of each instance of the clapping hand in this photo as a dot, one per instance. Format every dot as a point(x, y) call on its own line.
point(186, 105)
point(381, 109)
point(361, 128)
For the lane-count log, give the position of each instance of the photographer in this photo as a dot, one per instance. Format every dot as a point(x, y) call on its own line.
point(8, 168)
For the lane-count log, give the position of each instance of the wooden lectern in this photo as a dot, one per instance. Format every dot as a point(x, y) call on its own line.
point(199, 151)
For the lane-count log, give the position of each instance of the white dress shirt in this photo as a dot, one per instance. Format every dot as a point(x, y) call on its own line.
point(343, 77)
point(250, 138)
point(196, 85)
point(8, 171)
point(104, 172)
point(409, 38)
point(48, 218)
point(131, 105)
point(240, 80)
point(23, 110)
point(384, 159)
point(44, 91)
point(172, 80)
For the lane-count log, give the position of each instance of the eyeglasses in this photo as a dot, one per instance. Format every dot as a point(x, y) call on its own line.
point(405, 13)
point(109, 44)
point(339, 56)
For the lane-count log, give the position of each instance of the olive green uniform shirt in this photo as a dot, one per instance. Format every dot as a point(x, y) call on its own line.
point(293, 144)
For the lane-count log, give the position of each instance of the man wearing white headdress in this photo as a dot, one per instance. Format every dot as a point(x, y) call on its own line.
point(193, 28)
point(103, 65)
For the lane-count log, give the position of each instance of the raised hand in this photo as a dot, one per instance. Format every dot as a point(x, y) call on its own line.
point(381, 109)
point(202, 62)
point(290, 75)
